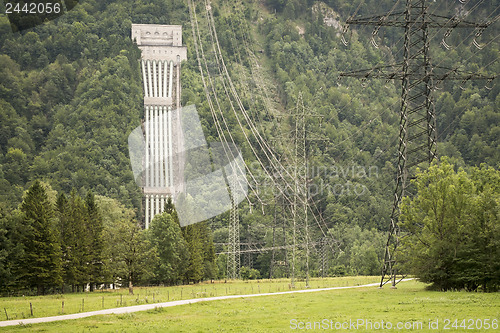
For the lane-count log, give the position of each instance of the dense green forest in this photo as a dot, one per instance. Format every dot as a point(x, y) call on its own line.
point(71, 92)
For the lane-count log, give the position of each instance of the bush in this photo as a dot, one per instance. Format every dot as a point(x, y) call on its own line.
point(338, 270)
point(249, 273)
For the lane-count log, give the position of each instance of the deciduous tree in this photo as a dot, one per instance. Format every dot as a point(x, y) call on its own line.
point(453, 229)
point(171, 249)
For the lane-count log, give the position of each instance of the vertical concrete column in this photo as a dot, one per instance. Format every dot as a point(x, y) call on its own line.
point(147, 212)
point(178, 80)
point(170, 80)
point(162, 204)
point(151, 150)
point(160, 81)
point(152, 146)
point(144, 78)
point(165, 83)
point(170, 150)
point(165, 145)
point(146, 162)
point(156, 147)
point(150, 79)
point(157, 208)
point(160, 137)
point(151, 208)
point(155, 81)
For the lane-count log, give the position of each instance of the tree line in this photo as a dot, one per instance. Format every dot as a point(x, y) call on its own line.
point(58, 242)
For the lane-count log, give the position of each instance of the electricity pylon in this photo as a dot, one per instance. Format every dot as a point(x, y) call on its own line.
point(234, 251)
point(300, 204)
point(300, 185)
point(417, 125)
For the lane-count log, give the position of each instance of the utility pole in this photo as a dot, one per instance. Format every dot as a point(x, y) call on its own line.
point(417, 126)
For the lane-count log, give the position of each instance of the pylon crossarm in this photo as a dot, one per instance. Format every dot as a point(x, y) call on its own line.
point(438, 73)
point(432, 21)
point(440, 21)
point(441, 73)
point(382, 72)
point(379, 20)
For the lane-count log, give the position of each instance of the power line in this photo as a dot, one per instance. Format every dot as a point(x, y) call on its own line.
point(265, 148)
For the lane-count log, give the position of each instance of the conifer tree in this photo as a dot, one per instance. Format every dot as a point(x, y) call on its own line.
point(41, 261)
point(5, 247)
point(10, 248)
point(75, 242)
point(209, 264)
point(170, 210)
point(193, 237)
point(64, 236)
point(95, 241)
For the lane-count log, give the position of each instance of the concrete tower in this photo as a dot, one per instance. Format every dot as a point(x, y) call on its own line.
point(162, 54)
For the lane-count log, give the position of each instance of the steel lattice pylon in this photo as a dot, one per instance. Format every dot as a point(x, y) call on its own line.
point(299, 207)
point(300, 204)
point(234, 250)
point(323, 249)
point(417, 126)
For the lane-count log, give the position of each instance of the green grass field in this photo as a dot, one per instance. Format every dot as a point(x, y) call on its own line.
point(52, 305)
point(410, 304)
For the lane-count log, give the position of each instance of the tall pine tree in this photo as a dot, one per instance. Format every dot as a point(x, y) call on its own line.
point(40, 265)
point(192, 235)
point(209, 265)
point(95, 241)
point(65, 239)
point(75, 242)
point(10, 248)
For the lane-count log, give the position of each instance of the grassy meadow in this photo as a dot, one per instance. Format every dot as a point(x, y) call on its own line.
point(410, 305)
point(52, 305)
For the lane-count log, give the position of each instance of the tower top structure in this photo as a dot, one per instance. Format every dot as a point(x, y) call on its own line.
point(160, 42)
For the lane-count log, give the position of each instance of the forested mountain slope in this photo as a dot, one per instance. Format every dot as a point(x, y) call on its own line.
point(71, 92)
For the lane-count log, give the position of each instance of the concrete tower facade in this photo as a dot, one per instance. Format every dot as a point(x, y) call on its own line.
point(162, 54)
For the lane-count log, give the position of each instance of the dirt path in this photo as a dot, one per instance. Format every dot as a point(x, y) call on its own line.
point(144, 307)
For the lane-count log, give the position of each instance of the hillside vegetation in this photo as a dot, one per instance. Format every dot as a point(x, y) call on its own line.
point(71, 92)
